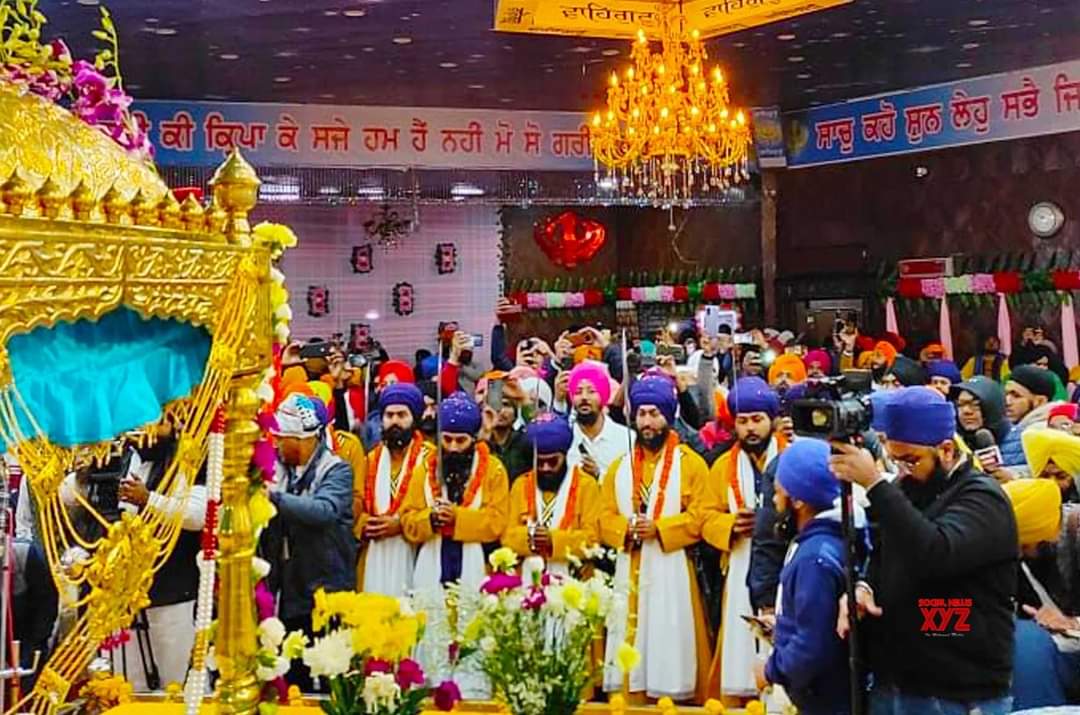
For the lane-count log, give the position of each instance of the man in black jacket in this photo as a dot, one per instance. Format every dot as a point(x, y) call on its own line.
point(942, 574)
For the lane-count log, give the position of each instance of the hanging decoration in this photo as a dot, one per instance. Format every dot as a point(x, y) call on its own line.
point(569, 239)
point(404, 303)
point(318, 301)
point(1006, 282)
point(890, 316)
point(445, 258)
point(1004, 326)
point(668, 132)
point(945, 329)
point(362, 259)
point(674, 294)
point(387, 228)
point(1069, 351)
point(359, 337)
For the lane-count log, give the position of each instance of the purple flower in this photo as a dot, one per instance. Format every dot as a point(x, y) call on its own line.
point(452, 652)
point(264, 458)
point(264, 601)
point(499, 582)
point(447, 695)
point(534, 599)
point(375, 665)
point(266, 421)
point(409, 673)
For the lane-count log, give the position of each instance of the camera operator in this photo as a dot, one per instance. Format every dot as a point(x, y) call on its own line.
point(942, 575)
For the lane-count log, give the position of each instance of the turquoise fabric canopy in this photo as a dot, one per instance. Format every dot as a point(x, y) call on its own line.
point(88, 381)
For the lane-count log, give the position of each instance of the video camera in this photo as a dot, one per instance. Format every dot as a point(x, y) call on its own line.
point(836, 408)
point(103, 484)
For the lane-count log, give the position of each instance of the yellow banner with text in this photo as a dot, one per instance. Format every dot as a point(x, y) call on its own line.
point(622, 18)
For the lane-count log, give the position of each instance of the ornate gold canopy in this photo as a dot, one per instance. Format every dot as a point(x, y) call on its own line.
point(84, 229)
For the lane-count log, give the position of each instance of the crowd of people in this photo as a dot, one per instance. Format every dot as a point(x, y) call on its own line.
point(681, 458)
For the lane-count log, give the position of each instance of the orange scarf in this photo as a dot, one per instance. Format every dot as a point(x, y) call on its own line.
point(483, 457)
point(411, 455)
point(665, 475)
point(567, 520)
point(732, 476)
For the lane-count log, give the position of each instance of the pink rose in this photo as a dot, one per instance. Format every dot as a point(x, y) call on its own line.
point(727, 291)
point(933, 287)
point(534, 599)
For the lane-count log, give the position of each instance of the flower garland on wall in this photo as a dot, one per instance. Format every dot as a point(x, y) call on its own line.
point(1038, 286)
point(693, 292)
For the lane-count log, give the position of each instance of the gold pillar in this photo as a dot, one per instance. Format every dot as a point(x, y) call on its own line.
point(235, 187)
point(235, 643)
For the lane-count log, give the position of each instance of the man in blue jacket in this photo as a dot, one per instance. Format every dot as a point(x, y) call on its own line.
point(809, 660)
point(309, 543)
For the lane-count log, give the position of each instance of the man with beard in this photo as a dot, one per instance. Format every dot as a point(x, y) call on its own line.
point(429, 419)
point(787, 371)
point(386, 559)
point(598, 439)
point(309, 543)
point(451, 512)
point(990, 363)
point(652, 506)
point(736, 486)
point(882, 360)
point(554, 512)
point(1053, 454)
point(390, 372)
point(808, 658)
point(944, 534)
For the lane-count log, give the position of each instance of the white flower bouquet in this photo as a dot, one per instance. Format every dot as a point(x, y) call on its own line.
point(535, 639)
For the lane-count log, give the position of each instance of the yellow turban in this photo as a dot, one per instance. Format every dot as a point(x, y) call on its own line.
point(1037, 505)
point(1042, 445)
point(322, 391)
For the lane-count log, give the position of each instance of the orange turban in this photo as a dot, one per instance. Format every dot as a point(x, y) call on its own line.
point(587, 352)
point(791, 364)
point(887, 350)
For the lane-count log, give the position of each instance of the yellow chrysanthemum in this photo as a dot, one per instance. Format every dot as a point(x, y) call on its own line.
point(262, 510)
point(755, 707)
point(617, 703)
point(503, 559)
point(627, 657)
point(277, 233)
point(573, 595)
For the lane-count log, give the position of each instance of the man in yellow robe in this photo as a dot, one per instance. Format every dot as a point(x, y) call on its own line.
point(652, 510)
point(735, 485)
point(554, 511)
point(387, 560)
point(451, 511)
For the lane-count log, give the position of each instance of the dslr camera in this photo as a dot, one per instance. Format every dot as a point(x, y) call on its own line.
point(836, 408)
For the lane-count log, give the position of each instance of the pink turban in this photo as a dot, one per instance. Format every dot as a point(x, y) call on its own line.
point(821, 358)
point(595, 373)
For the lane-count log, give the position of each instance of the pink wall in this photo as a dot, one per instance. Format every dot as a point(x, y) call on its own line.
point(326, 239)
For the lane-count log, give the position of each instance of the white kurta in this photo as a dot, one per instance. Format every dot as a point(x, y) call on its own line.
point(430, 594)
point(740, 649)
point(665, 614)
point(389, 562)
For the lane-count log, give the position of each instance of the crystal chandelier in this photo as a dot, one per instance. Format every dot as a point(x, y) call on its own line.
point(668, 134)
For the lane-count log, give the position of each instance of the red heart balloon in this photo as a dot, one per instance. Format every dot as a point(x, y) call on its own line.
point(569, 239)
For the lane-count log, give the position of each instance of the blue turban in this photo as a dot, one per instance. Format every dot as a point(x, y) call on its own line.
point(803, 471)
point(752, 394)
point(550, 434)
point(878, 401)
point(459, 414)
point(944, 368)
point(403, 393)
point(920, 416)
point(428, 367)
point(655, 391)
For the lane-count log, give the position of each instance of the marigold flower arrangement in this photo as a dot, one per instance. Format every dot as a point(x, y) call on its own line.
point(362, 648)
point(534, 638)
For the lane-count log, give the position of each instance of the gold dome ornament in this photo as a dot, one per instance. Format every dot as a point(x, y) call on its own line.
point(236, 190)
point(44, 141)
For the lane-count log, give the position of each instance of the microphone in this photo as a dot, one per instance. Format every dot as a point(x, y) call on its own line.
point(984, 445)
